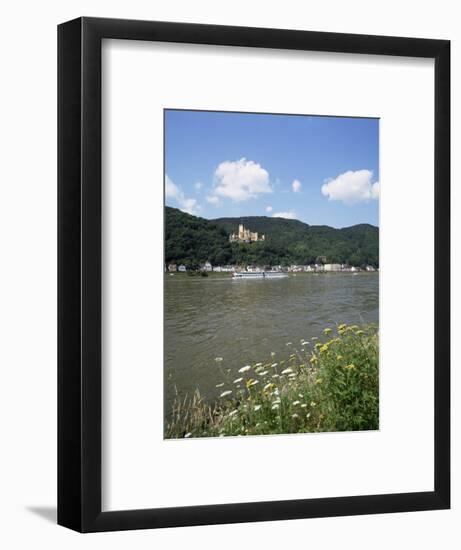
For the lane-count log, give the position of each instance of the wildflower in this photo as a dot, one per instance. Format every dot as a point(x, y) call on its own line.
point(237, 380)
point(304, 405)
point(296, 403)
point(274, 365)
point(350, 367)
point(257, 407)
point(359, 332)
point(252, 382)
point(220, 385)
point(308, 415)
point(276, 401)
point(314, 338)
point(218, 359)
point(295, 415)
point(342, 326)
point(287, 371)
point(292, 356)
point(233, 413)
point(319, 381)
point(288, 343)
point(292, 375)
point(246, 368)
point(339, 357)
point(188, 434)
point(324, 348)
point(269, 386)
point(272, 353)
point(224, 393)
point(275, 376)
point(300, 395)
point(313, 403)
point(263, 373)
point(275, 406)
point(313, 359)
point(318, 345)
point(326, 331)
point(258, 365)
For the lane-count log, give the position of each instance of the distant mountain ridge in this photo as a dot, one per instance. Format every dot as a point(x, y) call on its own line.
point(193, 240)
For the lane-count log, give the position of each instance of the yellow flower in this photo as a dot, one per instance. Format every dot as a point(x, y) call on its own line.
point(326, 331)
point(350, 367)
point(324, 348)
point(313, 359)
point(342, 326)
point(359, 332)
point(319, 381)
point(339, 357)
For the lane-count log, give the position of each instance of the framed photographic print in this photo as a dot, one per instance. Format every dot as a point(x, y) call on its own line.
point(253, 274)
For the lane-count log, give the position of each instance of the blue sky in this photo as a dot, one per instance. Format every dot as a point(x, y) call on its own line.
point(320, 170)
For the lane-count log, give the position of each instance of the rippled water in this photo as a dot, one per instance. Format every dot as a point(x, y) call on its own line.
point(244, 321)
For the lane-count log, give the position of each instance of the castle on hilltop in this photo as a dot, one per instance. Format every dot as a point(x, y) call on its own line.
point(245, 236)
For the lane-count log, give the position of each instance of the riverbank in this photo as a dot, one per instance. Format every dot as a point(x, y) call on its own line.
point(326, 384)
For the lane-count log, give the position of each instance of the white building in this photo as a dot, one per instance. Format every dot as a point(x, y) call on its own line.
point(182, 268)
point(207, 267)
point(332, 267)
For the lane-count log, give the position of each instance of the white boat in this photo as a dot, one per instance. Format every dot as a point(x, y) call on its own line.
point(259, 275)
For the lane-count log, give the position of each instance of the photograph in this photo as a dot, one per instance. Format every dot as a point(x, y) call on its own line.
point(271, 286)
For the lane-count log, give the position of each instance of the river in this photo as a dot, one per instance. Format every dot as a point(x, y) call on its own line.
point(243, 321)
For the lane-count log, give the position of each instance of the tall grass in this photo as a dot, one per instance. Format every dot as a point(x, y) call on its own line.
point(323, 385)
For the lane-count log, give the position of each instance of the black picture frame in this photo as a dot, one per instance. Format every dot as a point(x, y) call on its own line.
point(79, 274)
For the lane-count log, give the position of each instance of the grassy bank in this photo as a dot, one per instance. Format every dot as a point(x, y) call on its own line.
point(323, 385)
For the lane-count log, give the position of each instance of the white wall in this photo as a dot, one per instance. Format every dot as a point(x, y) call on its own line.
point(28, 272)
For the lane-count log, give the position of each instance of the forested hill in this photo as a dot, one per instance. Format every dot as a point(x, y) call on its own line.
point(192, 241)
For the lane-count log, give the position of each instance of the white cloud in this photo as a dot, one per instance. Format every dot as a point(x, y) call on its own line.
point(241, 180)
point(288, 215)
point(212, 199)
point(173, 191)
point(198, 185)
point(352, 187)
point(269, 208)
point(296, 186)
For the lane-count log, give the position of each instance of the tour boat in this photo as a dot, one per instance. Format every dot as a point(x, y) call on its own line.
point(259, 275)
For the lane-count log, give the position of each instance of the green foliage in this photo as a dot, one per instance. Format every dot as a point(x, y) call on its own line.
point(332, 387)
point(189, 239)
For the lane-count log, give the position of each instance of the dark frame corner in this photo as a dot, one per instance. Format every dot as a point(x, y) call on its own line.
point(79, 274)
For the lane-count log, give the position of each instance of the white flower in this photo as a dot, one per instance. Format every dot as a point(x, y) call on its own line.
point(237, 380)
point(288, 343)
point(253, 383)
point(267, 386)
point(233, 413)
point(188, 434)
point(287, 371)
point(295, 415)
point(296, 403)
point(300, 395)
point(276, 401)
point(274, 365)
point(246, 368)
point(257, 407)
point(258, 365)
point(275, 376)
point(263, 373)
point(304, 405)
point(220, 385)
point(218, 359)
point(275, 406)
point(292, 375)
point(224, 393)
